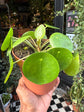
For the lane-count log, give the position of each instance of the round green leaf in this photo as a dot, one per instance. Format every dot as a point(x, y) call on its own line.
point(7, 40)
point(73, 68)
point(40, 32)
point(41, 68)
point(63, 56)
point(61, 40)
point(29, 33)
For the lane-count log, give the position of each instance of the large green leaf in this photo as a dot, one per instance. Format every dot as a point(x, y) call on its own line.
point(41, 68)
point(73, 68)
point(7, 40)
point(63, 56)
point(40, 32)
point(61, 40)
point(29, 33)
point(20, 40)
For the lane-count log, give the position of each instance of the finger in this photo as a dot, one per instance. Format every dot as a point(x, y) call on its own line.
point(23, 91)
point(21, 82)
point(57, 82)
point(20, 87)
point(56, 85)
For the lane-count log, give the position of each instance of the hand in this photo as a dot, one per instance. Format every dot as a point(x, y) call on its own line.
point(31, 102)
point(0, 110)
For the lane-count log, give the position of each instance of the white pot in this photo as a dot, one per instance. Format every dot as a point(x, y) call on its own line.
point(6, 106)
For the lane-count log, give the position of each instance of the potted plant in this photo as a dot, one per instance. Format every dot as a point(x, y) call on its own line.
point(67, 96)
point(6, 101)
point(77, 94)
point(47, 59)
point(77, 89)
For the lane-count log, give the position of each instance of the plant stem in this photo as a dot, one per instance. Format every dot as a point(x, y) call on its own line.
point(39, 45)
point(44, 44)
point(29, 44)
point(34, 43)
point(20, 59)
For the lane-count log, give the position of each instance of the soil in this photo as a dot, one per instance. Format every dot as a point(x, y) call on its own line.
point(23, 50)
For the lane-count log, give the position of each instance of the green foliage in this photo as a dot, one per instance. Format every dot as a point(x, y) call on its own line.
point(11, 68)
point(61, 49)
point(67, 95)
point(63, 56)
point(60, 40)
point(77, 89)
point(20, 40)
point(29, 33)
point(5, 98)
point(13, 79)
point(7, 40)
point(73, 68)
point(77, 92)
point(79, 30)
point(49, 26)
point(40, 32)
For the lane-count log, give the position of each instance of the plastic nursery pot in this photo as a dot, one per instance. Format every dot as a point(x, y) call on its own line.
point(7, 104)
point(68, 102)
point(20, 63)
point(7, 108)
point(75, 108)
point(38, 89)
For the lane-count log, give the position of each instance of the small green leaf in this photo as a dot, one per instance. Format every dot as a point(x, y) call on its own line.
point(29, 33)
point(50, 26)
point(7, 40)
point(63, 56)
point(61, 40)
point(41, 68)
point(9, 51)
point(25, 48)
point(40, 32)
point(73, 12)
point(20, 40)
point(10, 70)
point(73, 68)
point(45, 37)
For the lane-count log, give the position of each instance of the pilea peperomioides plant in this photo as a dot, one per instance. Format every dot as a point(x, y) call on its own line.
point(49, 58)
